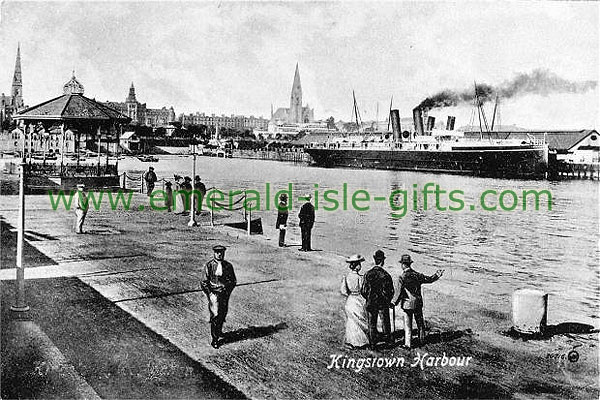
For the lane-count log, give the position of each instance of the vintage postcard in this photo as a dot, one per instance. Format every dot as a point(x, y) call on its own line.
point(299, 199)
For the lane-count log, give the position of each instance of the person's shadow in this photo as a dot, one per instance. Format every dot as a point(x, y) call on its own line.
point(564, 328)
point(252, 332)
point(432, 336)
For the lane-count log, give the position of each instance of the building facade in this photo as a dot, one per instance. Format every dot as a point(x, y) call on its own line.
point(140, 114)
point(9, 105)
point(223, 121)
point(296, 113)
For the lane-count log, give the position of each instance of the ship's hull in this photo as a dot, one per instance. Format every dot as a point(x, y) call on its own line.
point(501, 162)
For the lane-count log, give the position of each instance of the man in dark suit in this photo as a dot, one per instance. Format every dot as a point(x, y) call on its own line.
point(307, 220)
point(217, 281)
point(411, 298)
point(378, 290)
point(282, 217)
point(150, 178)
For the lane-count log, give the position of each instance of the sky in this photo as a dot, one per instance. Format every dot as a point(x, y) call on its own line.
point(239, 57)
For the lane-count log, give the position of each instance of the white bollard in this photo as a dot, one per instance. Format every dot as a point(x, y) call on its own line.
point(530, 311)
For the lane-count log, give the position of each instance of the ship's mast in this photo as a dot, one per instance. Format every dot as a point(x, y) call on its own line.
point(481, 113)
point(356, 113)
point(377, 118)
point(494, 115)
point(390, 113)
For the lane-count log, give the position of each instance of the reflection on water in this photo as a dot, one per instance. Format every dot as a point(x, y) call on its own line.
point(487, 255)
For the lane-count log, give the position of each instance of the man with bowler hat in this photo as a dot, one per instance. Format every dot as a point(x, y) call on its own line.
point(378, 290)
point(217, 281)
point(411, 299)
point(282, 217)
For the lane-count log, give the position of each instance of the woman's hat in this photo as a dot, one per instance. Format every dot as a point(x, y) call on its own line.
point(355, 258)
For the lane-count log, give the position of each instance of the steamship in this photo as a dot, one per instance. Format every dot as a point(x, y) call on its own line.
point(432, 150)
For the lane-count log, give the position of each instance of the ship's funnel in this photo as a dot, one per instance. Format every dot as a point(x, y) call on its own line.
point(396, 129)
point(450, 123)
point(430, 123)
point(418, 121)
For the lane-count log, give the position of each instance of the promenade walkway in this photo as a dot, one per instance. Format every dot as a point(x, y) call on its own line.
point(286, 322)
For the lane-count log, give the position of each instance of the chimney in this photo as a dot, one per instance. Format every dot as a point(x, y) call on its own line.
point(396, 129)
point(450, 123)
point(418, 121)
point(430, 124)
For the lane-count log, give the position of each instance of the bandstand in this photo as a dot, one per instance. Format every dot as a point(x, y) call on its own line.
point(70, 130)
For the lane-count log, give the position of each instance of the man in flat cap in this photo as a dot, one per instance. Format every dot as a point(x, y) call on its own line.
point(217, 281)
point(150, 178)
point(307, 220)
point(411, 299)
point(81, 207)
point(378, 291)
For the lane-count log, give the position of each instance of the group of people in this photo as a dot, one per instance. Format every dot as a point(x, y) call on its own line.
point(371, 296)
point(182, 184)
point(306, 218)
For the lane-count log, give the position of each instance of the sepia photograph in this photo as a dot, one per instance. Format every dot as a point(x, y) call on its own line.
point(299, 199)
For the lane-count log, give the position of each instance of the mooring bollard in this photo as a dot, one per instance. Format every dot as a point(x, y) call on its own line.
point(530, 311)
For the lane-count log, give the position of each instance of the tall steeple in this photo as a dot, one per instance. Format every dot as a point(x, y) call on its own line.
point(17, 84)
point(131, 97)
point(295, 115)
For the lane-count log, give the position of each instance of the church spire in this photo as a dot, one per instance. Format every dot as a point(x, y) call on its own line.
point(295, 115)
point(17, 84)
point(131, 97)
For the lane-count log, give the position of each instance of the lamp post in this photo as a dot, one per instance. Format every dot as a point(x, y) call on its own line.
point(20, 304)
point(193, 197)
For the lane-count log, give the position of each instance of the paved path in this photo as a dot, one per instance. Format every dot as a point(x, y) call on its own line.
point(286, 318)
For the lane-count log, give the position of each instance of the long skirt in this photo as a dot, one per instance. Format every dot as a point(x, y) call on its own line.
point(357, 327)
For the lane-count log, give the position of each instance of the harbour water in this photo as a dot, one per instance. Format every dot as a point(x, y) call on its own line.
point(486, 254)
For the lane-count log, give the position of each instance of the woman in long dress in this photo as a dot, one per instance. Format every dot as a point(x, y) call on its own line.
point(356, 316)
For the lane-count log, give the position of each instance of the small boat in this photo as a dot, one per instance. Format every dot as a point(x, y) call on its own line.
point(147, 158)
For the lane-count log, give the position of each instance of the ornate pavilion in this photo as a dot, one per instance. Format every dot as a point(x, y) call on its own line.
point(69, 128)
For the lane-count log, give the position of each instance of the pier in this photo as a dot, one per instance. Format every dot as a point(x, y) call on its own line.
point(296, 155)
point(285, 321)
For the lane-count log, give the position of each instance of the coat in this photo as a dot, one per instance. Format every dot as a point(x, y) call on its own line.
point(150, 177)
point(282, 215)
point(211, 283)
point(410, 297)
point(377, 289)
point(307, 215)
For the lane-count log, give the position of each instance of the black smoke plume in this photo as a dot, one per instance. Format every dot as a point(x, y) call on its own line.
point(539, 81)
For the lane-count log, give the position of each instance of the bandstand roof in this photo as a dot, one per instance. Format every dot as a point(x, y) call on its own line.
point(72, 106)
